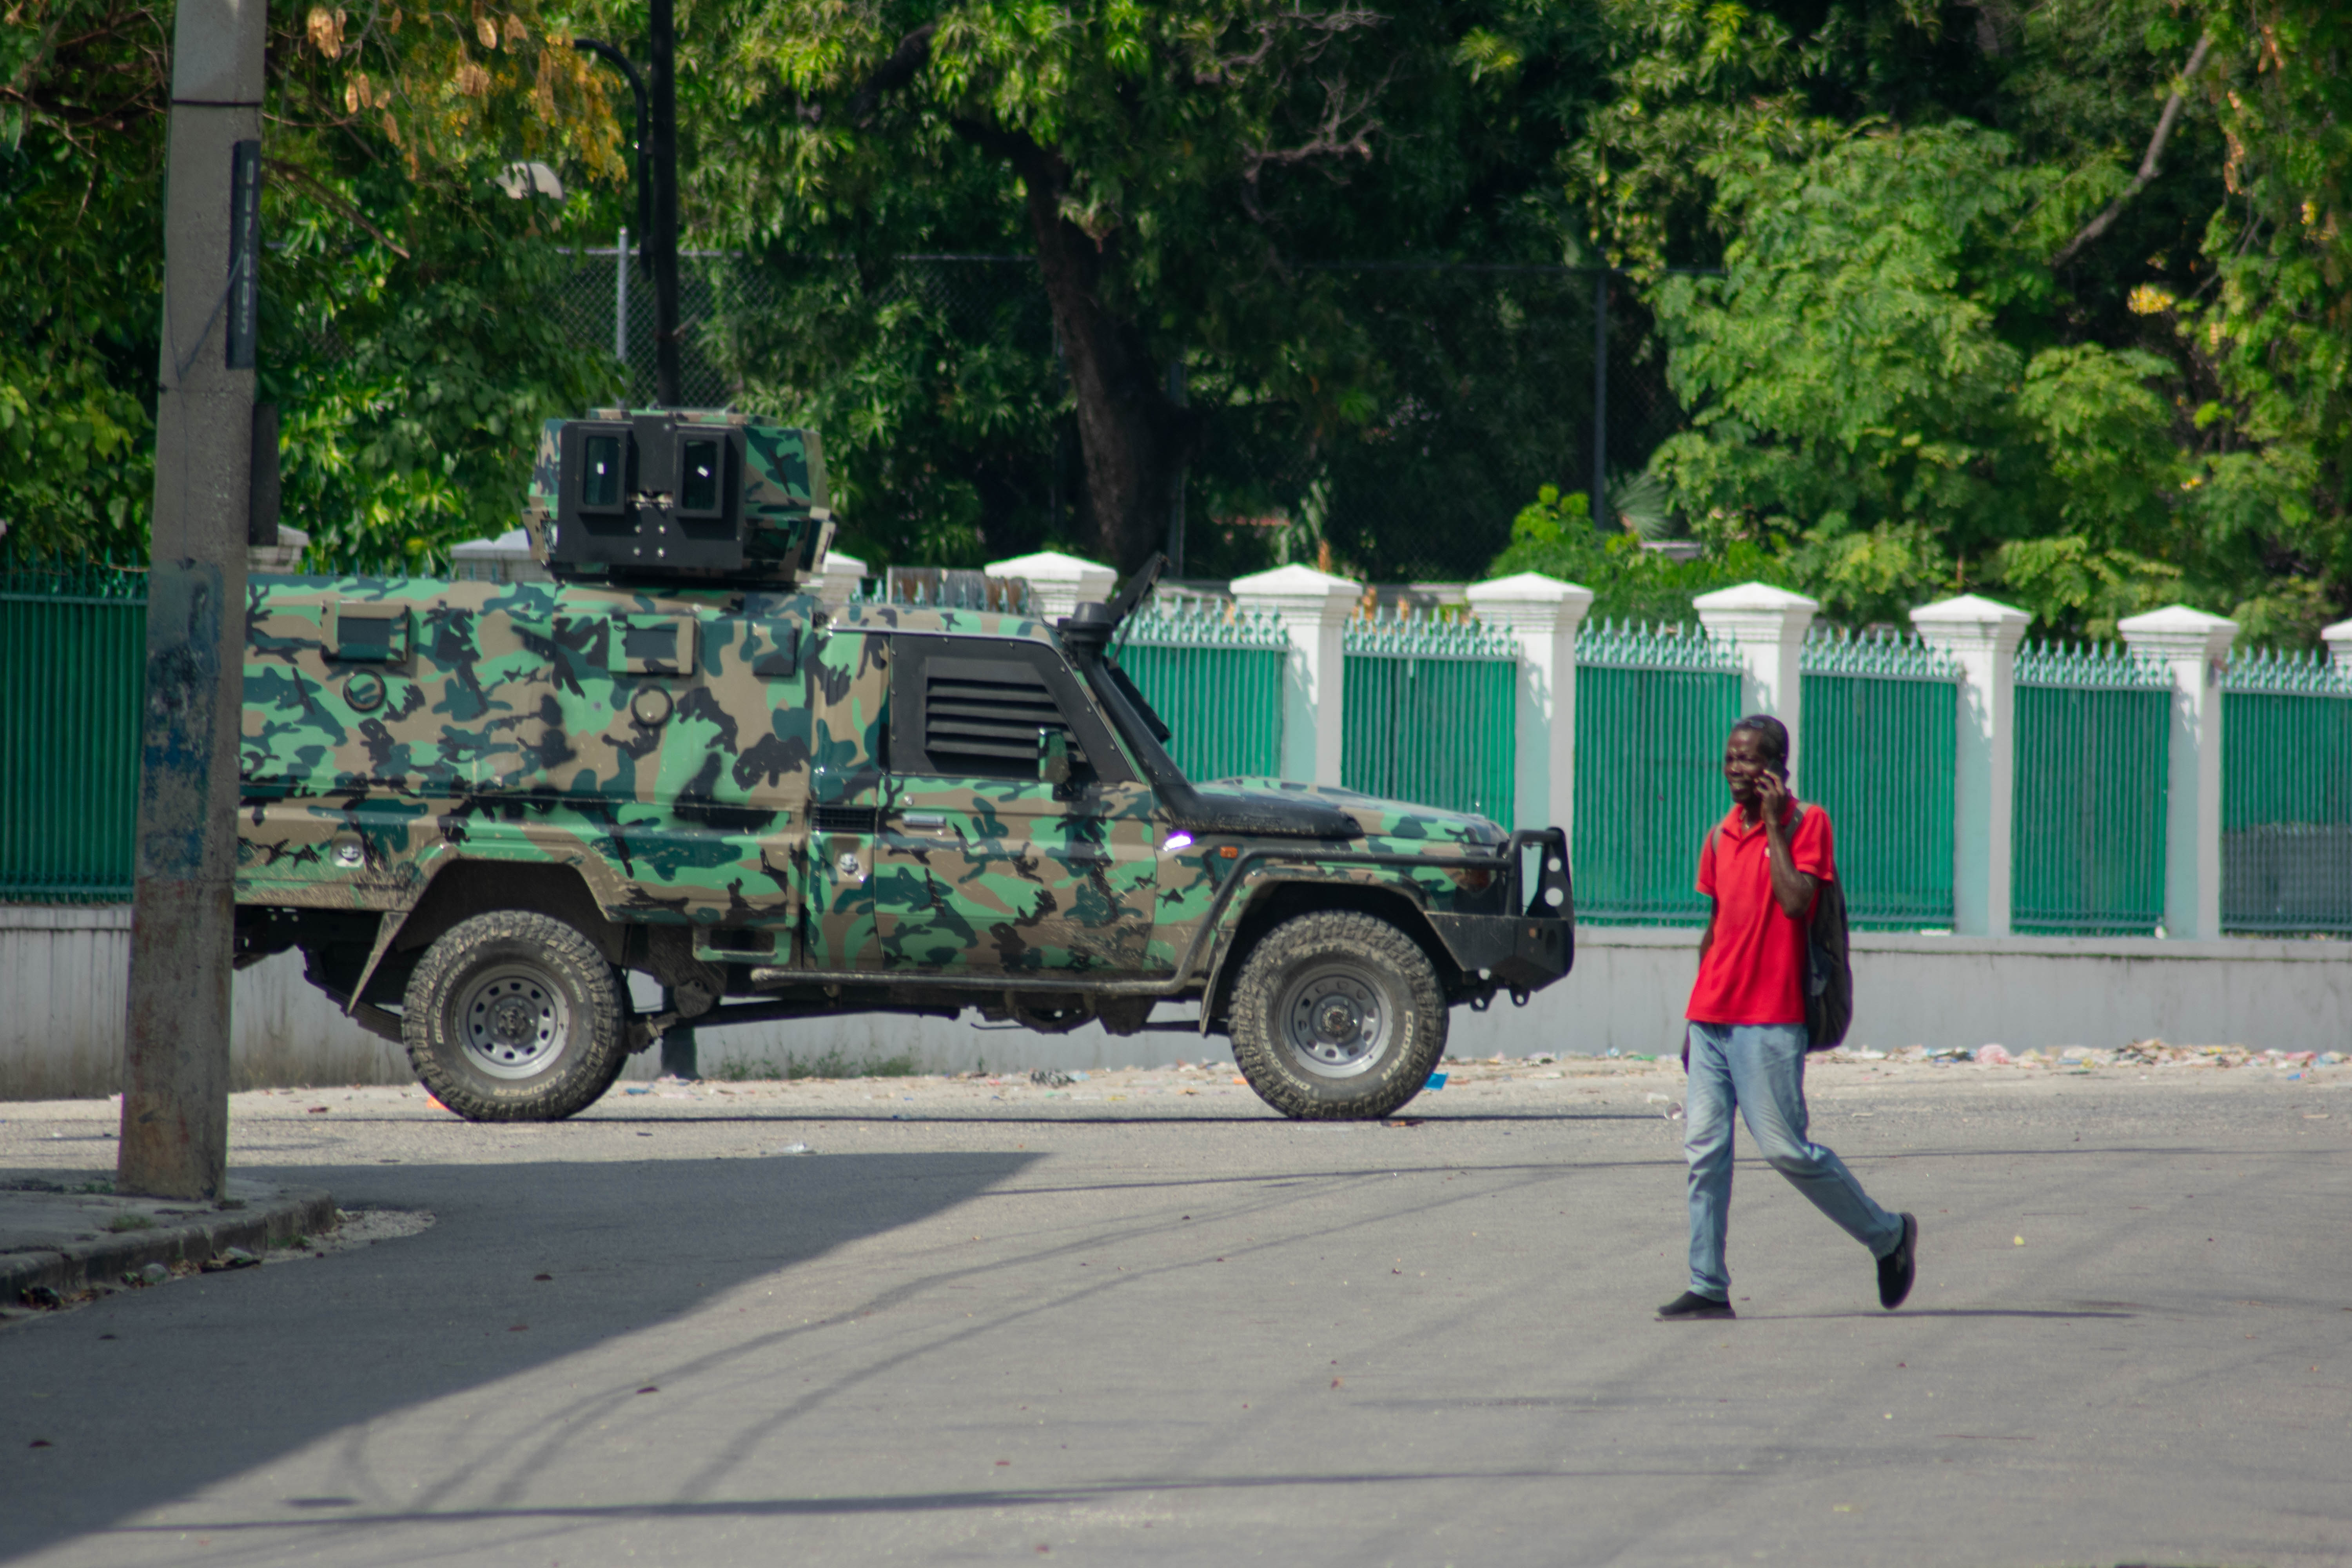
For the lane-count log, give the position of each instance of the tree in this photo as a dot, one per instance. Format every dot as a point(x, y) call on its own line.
point(1865, 387)
point(2267, 329)
point(2041, 300)
point(1164, 156)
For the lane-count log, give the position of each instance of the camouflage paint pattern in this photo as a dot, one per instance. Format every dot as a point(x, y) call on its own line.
point(719, 759)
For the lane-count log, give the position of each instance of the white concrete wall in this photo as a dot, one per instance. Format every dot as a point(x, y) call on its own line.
point(1629, 986)
point(64, 970)
point(62, 973)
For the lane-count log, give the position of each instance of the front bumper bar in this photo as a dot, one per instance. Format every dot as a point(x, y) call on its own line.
point(1526, 951)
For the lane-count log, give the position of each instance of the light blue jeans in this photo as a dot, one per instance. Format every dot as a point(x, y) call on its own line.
point(1759, 1069)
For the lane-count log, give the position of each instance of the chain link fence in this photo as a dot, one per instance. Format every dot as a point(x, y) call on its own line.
point(950, 433)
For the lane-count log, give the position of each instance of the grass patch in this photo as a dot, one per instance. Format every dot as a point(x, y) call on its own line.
point(832, 1063)
point(123, 1222)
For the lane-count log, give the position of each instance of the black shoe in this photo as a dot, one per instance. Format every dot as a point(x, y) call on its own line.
point(1898, 1267)
point(1691, 1304)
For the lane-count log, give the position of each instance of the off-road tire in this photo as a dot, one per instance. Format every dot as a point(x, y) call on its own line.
point(1363, 967)
point(513, 1017)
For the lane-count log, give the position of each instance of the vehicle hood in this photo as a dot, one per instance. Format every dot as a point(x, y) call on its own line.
point(1369, 816)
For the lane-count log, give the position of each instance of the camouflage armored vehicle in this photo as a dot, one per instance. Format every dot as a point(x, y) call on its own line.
point(476, 807)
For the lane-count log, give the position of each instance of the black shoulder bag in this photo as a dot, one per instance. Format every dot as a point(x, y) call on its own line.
point(1829, 976)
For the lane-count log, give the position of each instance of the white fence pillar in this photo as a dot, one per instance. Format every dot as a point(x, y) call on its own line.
point(2191, 644)
point(2339, 639)
point(1981, 637)
point(1768, 625)
point(1542, 614)
point(1314, 606)
point(1058, 583)
point(840, 575)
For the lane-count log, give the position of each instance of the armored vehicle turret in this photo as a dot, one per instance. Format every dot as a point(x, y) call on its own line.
point(476, 808)
point(688, 497)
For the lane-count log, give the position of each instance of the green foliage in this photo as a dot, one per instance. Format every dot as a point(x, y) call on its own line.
point(80, 316)
point(1876, 386)
point(937, 395)
point(412, 388)
point(1556, 537)
point(406, 330)
point(2276, 335)
point(1896, 392)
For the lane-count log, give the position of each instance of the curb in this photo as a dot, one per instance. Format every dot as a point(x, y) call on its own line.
point(280, 1215)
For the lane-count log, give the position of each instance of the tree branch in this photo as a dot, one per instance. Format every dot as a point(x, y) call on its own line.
point(1321, 29)
point(2148, 169)
point(319, 189)
point(1335, 138)
point(914, 51)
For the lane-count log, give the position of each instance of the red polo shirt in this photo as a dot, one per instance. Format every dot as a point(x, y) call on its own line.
point(1754, 971)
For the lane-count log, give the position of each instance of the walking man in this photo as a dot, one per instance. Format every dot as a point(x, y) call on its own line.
point(1762, 869)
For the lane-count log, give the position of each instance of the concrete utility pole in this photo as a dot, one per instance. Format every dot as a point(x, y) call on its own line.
point(176, 1048)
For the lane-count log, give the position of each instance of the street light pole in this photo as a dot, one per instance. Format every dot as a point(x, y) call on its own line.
point(175, 1130)
point(657, 178)
point(1601, 399)
point(664, 232)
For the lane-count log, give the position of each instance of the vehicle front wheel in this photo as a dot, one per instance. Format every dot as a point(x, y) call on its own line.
point(513, 1017)
point(1338, 1015)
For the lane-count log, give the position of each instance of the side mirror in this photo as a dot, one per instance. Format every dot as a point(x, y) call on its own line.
point(1052, 756)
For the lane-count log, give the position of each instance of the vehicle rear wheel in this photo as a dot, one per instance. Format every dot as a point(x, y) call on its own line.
point(512, 1017)
point(1338, 1015)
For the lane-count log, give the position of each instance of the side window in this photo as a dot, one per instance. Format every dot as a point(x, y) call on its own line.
point(965, 708)
point(982, 716)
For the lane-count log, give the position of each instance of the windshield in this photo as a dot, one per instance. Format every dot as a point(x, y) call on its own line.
point(1131, 713)
point(1136, 701)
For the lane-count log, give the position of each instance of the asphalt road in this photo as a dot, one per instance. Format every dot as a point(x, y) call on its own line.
point(977, 1324)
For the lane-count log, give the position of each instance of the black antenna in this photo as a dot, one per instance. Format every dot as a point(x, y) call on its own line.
point(1139, 588)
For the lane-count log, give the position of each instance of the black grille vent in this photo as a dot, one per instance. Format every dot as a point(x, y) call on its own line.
point(982, 717)
point(864, 819)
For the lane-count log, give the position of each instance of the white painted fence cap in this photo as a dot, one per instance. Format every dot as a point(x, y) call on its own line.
point(1295, 581)
point(1527, 586)
point(2340, 632)
point(841, 564)
point(513, 542)
point(1051, 567)
point(2175, 619)
point(1753, 596)
point(1969, 610)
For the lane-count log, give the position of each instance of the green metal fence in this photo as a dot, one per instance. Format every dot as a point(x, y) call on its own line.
point(1429, 713)
point(2088, 822)
point(1879, 753)
point(2287, 795)
point(1652, 706)
point(1214, 674)
point(73, 652)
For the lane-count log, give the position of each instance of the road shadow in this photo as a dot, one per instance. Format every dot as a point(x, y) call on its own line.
point(978, 1500)
point(153, 1396)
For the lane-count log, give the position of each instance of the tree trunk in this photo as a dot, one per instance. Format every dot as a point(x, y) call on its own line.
point(1135, 440)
